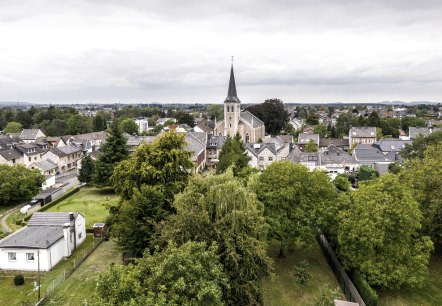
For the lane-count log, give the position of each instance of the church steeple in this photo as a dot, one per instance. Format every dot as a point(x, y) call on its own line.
point(231, 93)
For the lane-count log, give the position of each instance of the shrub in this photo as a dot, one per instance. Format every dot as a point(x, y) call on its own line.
point(367, 293)
point(19, 280)
point(302, 273)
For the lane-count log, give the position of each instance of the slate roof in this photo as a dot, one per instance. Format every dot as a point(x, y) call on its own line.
point(304, 138)
point(391, 145)
point(33, 237)
point(215, 142)
point(134, 141)
point(368, 153)
point(29, 134)
point(91, 136)
point(251, 119)
point(29, 148)
point(326, 142)
point(65, 150)
point(363, 132)
point(11, 154)
point(45, 165)
point(413, 132)
point(8, 142)
point(193, 145)
point(206, 125)
point(274, 148)
point(231, 92)
point(50, 219)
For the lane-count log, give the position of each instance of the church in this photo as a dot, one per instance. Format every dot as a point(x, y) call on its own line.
point(249, 127)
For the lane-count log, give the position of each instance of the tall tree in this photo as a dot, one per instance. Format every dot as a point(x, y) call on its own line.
point(379, 234)
point(311, 146)
point(86, 172)
point(233, 154)
point(113, 151)
point(215, 111)
point(272, 113)
point(78, 124)
point(220, 209)
point(13, 127)
point(165, 162)
point(296, 201)
point(424, 176)
point(133, 225)
point(190, 274)
point(321, 130)
point(374, 119)
point(184, 118)
point(129, 126)
point(18, 184)
point(417, 148)
point(99, 122)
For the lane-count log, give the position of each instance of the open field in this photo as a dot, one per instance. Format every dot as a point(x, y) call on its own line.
point(284, 288)
point(79, 287)
point(12, 295)
point(429, 294)
point(92, 203)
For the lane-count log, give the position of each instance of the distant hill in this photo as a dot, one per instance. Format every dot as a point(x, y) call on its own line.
point(12, 104)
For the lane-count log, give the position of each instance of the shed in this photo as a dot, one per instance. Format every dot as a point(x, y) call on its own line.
point(100, 230)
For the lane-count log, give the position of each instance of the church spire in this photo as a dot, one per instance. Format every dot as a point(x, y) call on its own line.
point(231, 93)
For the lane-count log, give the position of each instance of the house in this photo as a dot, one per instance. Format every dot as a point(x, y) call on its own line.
point(366, 154)
point(332, 161)
point(162, 121)
point(305, 138)
point(31, 153)
point(11, 157)
point(46, 167)
point(249, 127)
point(55, 142)
point(324, 143)
point(65, 157)
point(263, 154)
point(413, 132)
point(213, 149)
point(142, 123)
point(8, 142)
point(362, 135)
point(296, 124)
point(31, 135)
point(205, 126)
point(196, 144)
point(134, 141)
point(45, 241)
point(95, 139)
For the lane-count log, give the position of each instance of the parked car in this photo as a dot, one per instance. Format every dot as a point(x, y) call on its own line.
point(24, 209)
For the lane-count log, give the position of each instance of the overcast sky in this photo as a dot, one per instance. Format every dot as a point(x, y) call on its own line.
point(179, 51)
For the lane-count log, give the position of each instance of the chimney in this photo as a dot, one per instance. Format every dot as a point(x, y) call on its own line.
point(67, 238)
point(71, 216)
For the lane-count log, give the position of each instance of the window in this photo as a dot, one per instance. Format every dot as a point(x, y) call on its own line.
point(29, 158)
point(270, 158)
point(12, 256)
point(261, 158)
point(247, 138)
point(30, 257)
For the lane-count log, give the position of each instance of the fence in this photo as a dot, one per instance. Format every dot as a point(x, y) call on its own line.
point(344, 281)
point(57, 281)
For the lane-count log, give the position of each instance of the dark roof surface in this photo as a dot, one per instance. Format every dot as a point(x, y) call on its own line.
point(363, 131)
point(251, 119)
point(11, 154)
point(49, 219)
point(231, 93)
point(29, 134)
point(33, 237)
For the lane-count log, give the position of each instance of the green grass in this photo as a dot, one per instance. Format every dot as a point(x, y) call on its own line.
point(10, 220)
point(429, 294)
point(284, 288)
point(12, 295)
point(78, 288)
point(92, 203)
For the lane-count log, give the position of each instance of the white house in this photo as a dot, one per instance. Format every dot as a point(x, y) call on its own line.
point(31, 135)
point(143, 124)
point(48, 238)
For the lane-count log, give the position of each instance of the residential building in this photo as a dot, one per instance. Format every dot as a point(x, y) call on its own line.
point(263, 154)
point(362, 135)
point(367, 154)
point(45, 241)
point(66, 157)
point(213, 149)
point(305, 138)
point(31, 135)
point(143, 124)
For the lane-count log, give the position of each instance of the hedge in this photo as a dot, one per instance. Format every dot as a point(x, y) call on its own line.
point(19, 280)
point(55, 202)
point(367, 293)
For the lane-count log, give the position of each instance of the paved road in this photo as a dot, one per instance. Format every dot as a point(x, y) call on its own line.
point(70, 180)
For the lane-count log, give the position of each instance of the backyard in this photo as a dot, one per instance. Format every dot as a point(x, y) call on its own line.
point(429, 294)
point(92, 203)
point(26, 294)
point(78, 288)
point(284, 288)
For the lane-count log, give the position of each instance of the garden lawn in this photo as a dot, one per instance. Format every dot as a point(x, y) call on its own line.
point(92, 203)
point(429, 294)
point(79, 287)
point(284, 288)
point(12, 295)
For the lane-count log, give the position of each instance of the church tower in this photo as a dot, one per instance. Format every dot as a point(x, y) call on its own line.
point(232, 108)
